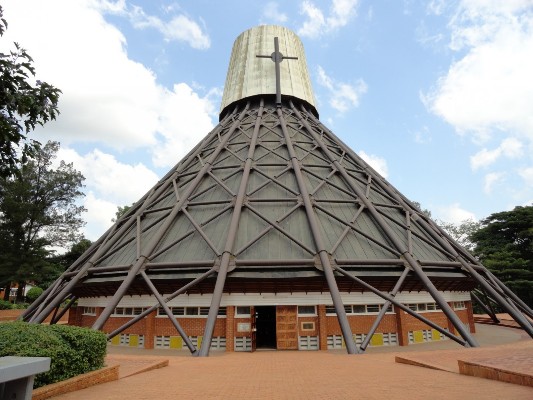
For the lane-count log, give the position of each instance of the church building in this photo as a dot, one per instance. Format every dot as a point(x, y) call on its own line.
point(272, 233)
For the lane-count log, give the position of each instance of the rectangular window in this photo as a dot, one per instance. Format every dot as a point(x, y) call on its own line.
point(373, 308)
point(242, 311)
point(307, 326)
point(359, 309)
point(89, 310)
point(306, 310)
point(178, 311)
point(190, 311)
point(459, 305)
point(330, 310)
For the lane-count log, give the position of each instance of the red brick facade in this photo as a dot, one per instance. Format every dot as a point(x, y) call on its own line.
point(399, 323)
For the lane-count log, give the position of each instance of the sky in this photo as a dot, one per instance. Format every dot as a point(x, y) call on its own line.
point(436, 95)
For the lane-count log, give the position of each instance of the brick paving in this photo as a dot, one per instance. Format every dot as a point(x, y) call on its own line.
point(305, 375)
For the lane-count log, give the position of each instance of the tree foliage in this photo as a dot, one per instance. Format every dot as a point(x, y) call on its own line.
point(462, 232)
point(38, 210)
point(504, 244)
point(121, 210)
point(24, 104)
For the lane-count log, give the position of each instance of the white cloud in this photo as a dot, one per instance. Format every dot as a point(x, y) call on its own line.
point(342, 96)
point(489, 90)
point(99, 215)
point(107, 98)
point(510, 148)
point(180, 28)
point(317, 24)
point(378, 163)
point(527, 176)
point(271, 12)
point(492, 179)
point(182, 129)
point(423, 135)
point(109, 183)
point(453, 213)
point(436, 7)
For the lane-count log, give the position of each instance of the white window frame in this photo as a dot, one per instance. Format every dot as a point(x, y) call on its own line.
point(307, 329)
point(239, 315)
point(89, 310)
point(313, 314)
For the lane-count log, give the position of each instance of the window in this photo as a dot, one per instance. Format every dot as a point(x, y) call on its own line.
point(89, 310)
point(373, 308)
point(128, 311)
point(330, 310)
point(308, 326)
point(459, 305)
point(242, 311)
point(191, 311)
point(359, 309)
point(306, 310)
point(423, 307)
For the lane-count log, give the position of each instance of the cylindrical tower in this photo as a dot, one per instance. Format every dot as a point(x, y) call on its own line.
point(250, 74)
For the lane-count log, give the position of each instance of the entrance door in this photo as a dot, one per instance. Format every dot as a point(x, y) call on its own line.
point(265, 323)
point(287, 328)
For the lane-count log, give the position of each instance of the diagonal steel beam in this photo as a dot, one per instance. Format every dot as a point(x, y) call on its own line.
point(171, 316)
point(403, 307)
point(181, 290)
point(432, 290)
point(384, 309)
point(319, 243)
point(154, 242)
point(230, 242)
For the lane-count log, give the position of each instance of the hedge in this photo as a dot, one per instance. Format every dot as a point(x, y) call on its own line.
point(73, 350)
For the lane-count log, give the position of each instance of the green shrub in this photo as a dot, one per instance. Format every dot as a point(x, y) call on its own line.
point(5, 305)
point(33, 294)
point(73, 350)
point(20, 306)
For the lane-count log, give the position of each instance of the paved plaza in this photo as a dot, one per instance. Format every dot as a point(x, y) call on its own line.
point(307, 375)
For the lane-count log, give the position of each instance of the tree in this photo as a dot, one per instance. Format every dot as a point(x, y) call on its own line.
point(121, 210)
point(23, 106)
point(462, 232)
point(504, 244)
point(38, 210)
point(33, 294)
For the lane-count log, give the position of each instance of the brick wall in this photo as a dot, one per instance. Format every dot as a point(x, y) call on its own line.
point(399, 322)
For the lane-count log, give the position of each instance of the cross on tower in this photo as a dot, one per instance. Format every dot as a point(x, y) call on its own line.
point(277, 57)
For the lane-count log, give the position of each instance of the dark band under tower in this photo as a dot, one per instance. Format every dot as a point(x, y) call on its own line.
point(272, 208)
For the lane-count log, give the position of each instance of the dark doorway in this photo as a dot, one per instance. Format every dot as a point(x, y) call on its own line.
point(265, 322)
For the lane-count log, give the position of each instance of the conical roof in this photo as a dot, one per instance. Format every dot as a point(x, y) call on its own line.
point(272, 201)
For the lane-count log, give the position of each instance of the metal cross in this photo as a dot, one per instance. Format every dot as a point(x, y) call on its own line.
point(277, 57)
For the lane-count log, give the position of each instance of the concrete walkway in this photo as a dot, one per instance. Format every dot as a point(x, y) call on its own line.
point(305, 375)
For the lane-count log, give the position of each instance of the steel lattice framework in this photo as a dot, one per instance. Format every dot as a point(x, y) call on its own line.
point(269, 201)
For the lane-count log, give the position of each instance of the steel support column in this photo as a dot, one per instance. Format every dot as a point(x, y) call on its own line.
point(485, 308)
point(319, 243)
point(403, 307)
point(152, 245)
point(230, 241)
point(391, 235)
point(383, 310)
point(181, 290)
point(172, 318)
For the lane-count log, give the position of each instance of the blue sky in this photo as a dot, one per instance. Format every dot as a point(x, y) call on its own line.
point(436, 95)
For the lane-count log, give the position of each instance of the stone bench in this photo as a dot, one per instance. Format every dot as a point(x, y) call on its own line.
point(17, 375)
